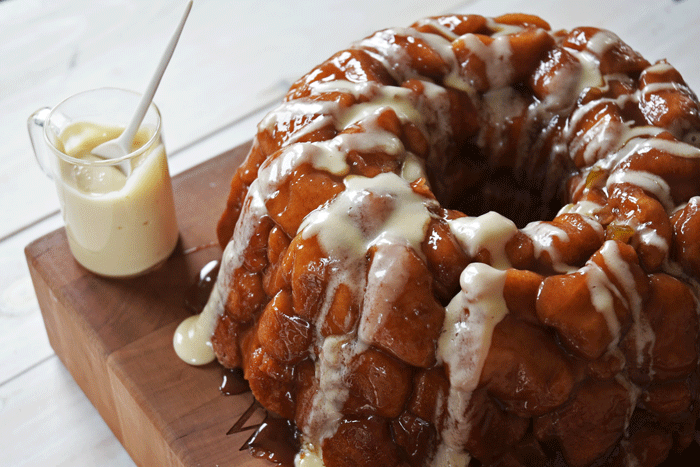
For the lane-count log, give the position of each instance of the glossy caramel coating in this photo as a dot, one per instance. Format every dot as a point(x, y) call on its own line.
point(589, 148)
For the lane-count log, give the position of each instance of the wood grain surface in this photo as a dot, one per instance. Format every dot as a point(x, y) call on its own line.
point(115, 336)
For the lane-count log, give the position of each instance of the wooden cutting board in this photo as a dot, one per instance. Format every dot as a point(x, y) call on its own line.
point(115, 337)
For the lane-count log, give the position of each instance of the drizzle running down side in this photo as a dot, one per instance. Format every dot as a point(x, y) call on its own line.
point(473, 240)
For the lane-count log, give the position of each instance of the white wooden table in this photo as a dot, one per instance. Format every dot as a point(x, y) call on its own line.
point(235, 59)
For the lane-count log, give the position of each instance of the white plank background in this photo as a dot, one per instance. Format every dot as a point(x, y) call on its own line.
point(235, 59)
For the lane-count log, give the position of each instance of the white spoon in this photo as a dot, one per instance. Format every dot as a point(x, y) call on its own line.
point(121, 146)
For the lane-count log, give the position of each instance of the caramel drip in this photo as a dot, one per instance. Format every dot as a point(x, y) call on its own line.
point(575, 123)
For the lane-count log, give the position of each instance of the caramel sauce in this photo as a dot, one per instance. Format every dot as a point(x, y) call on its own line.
point(198, 293)
point(233, 382)
point(240, 425)
point(276, 440)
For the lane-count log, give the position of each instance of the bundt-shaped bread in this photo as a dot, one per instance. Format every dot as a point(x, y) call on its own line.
point(474, 238)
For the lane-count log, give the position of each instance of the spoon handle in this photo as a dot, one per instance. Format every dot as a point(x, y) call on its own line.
point(147, 97)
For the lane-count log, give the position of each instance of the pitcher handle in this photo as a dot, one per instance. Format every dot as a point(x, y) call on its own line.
point(35, 125)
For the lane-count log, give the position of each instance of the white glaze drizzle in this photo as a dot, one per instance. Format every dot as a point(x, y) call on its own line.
point(601, 42)
point(406, 222)
point(611, 143)
point(660, 67)
point(413, 168)
point(309, 456)
point(496, 56)
point(490, 231)
point(442, 30)
point(387, 280)
point(500, 107)
point(605, 148)
point(602, 292)
point(345, 234)
point(542, 235)
point(382, 47)
point(652, 184)
point(429, 109)
point(447, 456)
point(653, 88)
point(285, 112)
point(470, 319)
point(502, 29)
point(192, 338)
point(633, 392)
point(587, 210)
point(641, 330)
point(332, 367)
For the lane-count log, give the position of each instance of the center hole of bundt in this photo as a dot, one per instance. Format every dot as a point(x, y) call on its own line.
point(473, 184)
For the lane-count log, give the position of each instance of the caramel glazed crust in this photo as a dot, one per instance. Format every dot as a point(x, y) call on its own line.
point(393, 329)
